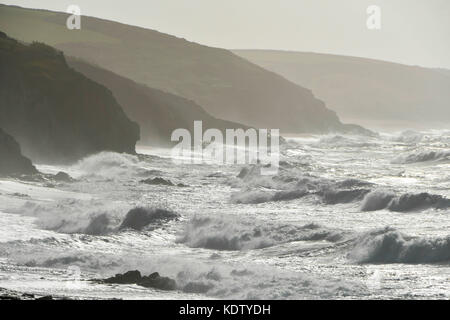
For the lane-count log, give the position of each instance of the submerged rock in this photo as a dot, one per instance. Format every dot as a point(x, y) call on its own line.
point(129, 277)
point(162, 182)
point(62, 177)
point(153, 280)
point(158, 181)
point(156, 281)
point(6, 294)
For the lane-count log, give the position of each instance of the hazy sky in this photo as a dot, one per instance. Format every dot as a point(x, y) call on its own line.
point(414, 32)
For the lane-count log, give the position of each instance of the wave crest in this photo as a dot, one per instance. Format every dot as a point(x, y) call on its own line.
point(423, 156)
point(390, 246)
point(379, 199)
point(232, 234)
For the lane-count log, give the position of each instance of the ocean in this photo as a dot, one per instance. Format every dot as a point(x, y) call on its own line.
point(346, 217)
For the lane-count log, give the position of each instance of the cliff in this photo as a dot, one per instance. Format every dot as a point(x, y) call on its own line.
point(158, 113)
point(55, 113)
point(225, 85)
point(12, 162)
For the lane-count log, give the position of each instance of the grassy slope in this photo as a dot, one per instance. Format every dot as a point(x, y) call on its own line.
point(365, 90)
point(226, 85)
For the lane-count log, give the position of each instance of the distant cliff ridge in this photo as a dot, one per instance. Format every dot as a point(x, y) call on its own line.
point(370, 92)
point(158, 113)
point(227, 86)
point(54, 112)
point(12, 162)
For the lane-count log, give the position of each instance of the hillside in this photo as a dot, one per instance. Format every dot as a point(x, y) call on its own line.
point(227, 86)
point(158, 113)
point(55, 113)
point(369, 92)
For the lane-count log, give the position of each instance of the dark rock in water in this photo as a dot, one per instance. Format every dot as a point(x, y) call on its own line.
point(343, 196)
point(162, 182)
point(139, 218)
point(153, 280)
point(9, 297)
point(158, 181)
point(62, 177)
point(6, 294)
point(54, 112)
point(156, 281)
point(130, 277)
point(12, 162)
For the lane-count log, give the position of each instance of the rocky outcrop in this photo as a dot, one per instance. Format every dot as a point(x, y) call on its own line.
point(54, 112)
point(153, 280)
point(12, 162)
point(6, 294)
point(145, 218)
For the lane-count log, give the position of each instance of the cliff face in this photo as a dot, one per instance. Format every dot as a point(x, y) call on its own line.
point(158, 113)
point(12, 162)
point(55, 113)
point(227, 86)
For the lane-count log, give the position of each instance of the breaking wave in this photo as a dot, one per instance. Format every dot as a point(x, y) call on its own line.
point(255, 197)
point(343, 196)
point(391, 246)
point(92, 217)
point(409, 137)
point(345, 141)
point(379, 200)
point(423, 156)
point(110, 165)
point(234, 234)
point(95, 217)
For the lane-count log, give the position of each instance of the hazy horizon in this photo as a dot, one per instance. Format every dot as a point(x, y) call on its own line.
point(411, 33)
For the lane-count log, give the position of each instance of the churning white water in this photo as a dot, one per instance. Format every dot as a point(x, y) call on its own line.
point(347, 217)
